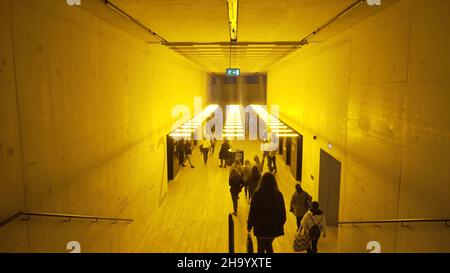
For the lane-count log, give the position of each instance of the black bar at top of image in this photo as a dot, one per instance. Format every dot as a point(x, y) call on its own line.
point(225, 262)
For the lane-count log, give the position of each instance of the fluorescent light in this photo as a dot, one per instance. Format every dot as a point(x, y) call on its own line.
point(233, 18)
point(233, 135)
point(286, 135)
point(276, 126)
point(179, 135)
point(198, 120)
point(282, 131)
point(274, 123)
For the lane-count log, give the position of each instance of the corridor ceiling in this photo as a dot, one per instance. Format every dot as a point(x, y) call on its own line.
point(186, 24)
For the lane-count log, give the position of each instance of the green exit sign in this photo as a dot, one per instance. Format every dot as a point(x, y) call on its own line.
point(233, 72)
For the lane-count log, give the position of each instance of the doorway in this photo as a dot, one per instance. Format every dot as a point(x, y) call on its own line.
point(329, 187)
point(297, 157)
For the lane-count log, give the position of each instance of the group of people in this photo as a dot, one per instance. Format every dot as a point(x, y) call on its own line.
point(207, 147)
point(267, 214)
point(244, 177)
point(185, 150)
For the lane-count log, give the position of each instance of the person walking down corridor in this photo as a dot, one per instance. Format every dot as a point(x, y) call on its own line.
point(246, 171)
point(180, 151)
point(213, 144)
point(204, 147)
point(223, 154)
point(258, 164)
point(314, 225)
point(187, 153)
point(267, 213)
point(253, 182)
point(236, 183)
point(237, 166)
point(272, 160)
point(265, 146)
point(300, 203)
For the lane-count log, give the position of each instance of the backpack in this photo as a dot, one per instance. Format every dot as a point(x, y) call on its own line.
point(314, 232)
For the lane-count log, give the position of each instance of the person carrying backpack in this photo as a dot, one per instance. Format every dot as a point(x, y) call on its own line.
point(314, 225)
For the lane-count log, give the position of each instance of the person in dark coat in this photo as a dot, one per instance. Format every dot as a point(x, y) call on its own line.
point(187, 153)
point(300, 203)
point(180, 150)
point(223, 154)
point(236, 183)
point(253, 182)
point(213, 144)
point(267, 213)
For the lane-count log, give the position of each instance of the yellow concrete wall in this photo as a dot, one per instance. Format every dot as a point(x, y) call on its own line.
point(379, 92)
point(13, 237)
point(94, 105)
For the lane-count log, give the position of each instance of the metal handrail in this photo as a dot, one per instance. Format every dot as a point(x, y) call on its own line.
point(68, 217)
point(446, 221)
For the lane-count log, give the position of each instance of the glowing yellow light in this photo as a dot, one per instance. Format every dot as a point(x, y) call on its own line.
point(184, 130)
point(198, 120)
point(274, 123)
point(233, 135)
point(179, 135)
point(287, 135)
point(282, 131)
point(233, 18)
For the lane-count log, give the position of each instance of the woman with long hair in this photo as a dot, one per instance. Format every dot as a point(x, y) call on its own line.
point(267, 213)
point(314, 225)
point(253, 182)
point(246, 171)
point(236, 183)
point(258, 164)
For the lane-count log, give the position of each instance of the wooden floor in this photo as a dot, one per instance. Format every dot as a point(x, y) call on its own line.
point(194, 216)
